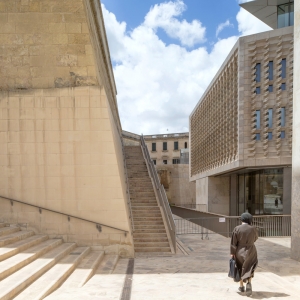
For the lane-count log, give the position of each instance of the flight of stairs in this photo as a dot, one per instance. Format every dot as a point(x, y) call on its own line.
point(149, 231)
point(33, 266)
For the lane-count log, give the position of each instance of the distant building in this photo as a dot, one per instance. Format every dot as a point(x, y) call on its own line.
point(165, 149)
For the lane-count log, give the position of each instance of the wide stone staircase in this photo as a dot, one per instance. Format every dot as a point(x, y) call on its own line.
point(33, 266)
point(149, 230)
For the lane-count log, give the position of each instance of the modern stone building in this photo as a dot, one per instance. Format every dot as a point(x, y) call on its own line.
point(241, 129)
point(60, 132)
point(167, 149)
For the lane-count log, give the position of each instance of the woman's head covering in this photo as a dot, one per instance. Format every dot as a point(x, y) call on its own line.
point(246, 218)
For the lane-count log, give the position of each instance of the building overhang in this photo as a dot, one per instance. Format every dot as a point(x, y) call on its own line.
point(265, 10)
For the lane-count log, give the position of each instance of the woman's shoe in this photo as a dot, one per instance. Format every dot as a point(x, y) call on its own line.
point(242, 289)
point(248, 289)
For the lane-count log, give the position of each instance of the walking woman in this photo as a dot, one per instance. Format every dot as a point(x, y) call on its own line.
point(242, 248)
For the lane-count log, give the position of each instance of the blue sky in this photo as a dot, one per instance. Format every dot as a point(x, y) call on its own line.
point(165, 53)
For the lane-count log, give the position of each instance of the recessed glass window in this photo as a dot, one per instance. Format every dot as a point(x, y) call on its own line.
point(153, 146)
point(282, 116)
point(154, 161)
point(175, 145)
point(257, 72)
point(282, 134)
point(283, 68)
point(165, 162)
point(270, 89)
point(165, 146)
point(257, 121)
point(270, 70)
point(270, 117)
point(257, 90)
point(257, 136)
point(270, 136)
point(185, 145)
point(285, 15)
point(176, 161)
point(283, 86)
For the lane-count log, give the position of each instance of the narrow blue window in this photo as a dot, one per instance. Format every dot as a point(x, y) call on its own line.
point(257, 119)
point(283, 86)
point(270, 88)
point(270, 70)
point(283, 68)
point(257, 136)
point(270, 117)
point(257, 90)
point(270, 135)
point(282, 134)
point(282, 116)
point(257, 72)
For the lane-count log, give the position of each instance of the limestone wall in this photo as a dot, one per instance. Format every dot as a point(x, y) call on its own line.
point(296, 141)
point(60, 135)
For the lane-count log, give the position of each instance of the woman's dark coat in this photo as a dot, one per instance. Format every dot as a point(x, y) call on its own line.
point(243, 248)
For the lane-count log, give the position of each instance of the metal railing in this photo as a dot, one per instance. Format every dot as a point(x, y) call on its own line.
point(161, 194)
point(40, 208)
point(200, 207)
point(127, 186)
point(267, 226)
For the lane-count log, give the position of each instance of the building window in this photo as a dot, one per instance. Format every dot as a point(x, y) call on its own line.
point(176, 161)
point(154, 161)
point(282, 116)
point(175, 145)
point(283, 68)
point(282, 134)
point(283, 86)
point(257, 72)
point(270, 117)
point(185, 145)
point(270, 88)
point(165, 146)
point(165, 162)
point(257, 137)
point(270, 70)
point(153, 146)
point(257, 90)
point(270, 135)
point(285, 15)
point(257, 121)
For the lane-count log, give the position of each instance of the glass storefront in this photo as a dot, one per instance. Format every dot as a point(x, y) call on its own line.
point(261, 192)
point(285, 14)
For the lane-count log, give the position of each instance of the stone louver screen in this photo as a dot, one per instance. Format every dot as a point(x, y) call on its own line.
point(213, 124)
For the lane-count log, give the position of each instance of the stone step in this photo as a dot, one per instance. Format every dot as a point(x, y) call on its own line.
point(162, 238)
point(108, 264)
point(8, 230)
point(22, 245)
point(156, 222)
point(136, 209)
point(150, 230)
point(152, 249)
point(147, 204)
point(83, 272)
point(20, 260)
point(155, 235)
point(3, 225)
point(138, 219)
point(14, 284)
point(147, 226)
point(20, 235)
point(158, 244)
point(52, 279)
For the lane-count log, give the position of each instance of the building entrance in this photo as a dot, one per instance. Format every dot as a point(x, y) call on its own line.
point(261, 192)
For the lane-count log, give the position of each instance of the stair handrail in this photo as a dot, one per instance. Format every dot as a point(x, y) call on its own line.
point(127, 186)
point(164, 203)
point(98, 225)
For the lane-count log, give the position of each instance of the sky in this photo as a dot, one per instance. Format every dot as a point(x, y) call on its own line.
point(165, 54)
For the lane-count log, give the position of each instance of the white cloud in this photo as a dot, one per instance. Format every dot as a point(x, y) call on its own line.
point(222, 26)
point(248, 24)
point(158, 84)
point(163, 16)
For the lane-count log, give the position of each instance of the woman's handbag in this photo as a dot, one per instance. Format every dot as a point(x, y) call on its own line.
point(233, 271)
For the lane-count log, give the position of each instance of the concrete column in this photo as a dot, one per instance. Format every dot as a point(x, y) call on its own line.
point(287, 189)
point(295, 251)
point(233, 194)
point(202, 194)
